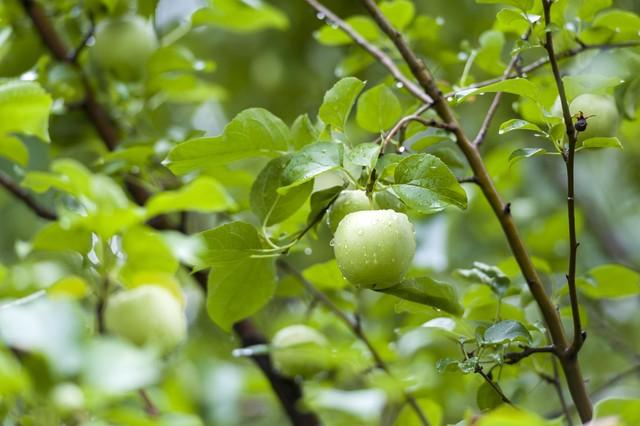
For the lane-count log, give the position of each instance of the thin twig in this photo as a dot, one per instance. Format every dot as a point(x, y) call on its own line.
point(26, 198)
point(494, 385)
point(515, 357)
point(404, 121)
point(468, 179)
point(85, 40)
point(149, 407)
point(569, 53)
point(355, 327)
point(568, 156)
point(493, 108)
point(373, 50)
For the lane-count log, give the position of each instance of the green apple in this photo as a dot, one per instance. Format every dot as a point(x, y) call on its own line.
point(605, 115)
point(147, 316)
point(375, 248)
point(602, 108)
point(347, 202)
point(299, 350)
point(67, 397)
point(123, 46)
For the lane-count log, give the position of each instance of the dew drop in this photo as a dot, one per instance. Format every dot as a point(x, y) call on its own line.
point(399, 85)
point(308, 251)
point(320, 16)
point(440, 20)
point(332, 243)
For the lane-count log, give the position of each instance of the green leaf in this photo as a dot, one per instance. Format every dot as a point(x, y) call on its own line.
point(238, 284)
point(601, 142)
point(56, 237)
point(626, 411)
point(522, 153)
point(517, 86)
point(378, 109)
point(13, 149)
point(596, 84)
point(489, 56)
point(610, 282)
point(506, 332)
point(333, 36)
point(230, 243)
point(240, 16)
point(425, 141)
point(146, 251)
point(399, 12)
point(265, 199)
point(512, 21)
point(516, 124)
point(254, 132)
point(24, 108)
point(321, 200)
point(303, 132)
point(427, 291)
point(488, 275)
point(364, 154)
point(618, 21)
point(523, 5)
point(311, 161)
point(512, 416)
point(339, 100)
point(204, 194)
point(589, 8)
point(425, 183)
point(487, 397)
point(325, 276)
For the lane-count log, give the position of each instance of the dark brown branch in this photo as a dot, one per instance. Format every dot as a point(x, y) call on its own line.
point(54, 43)
point(373, 50)
point(569, 157)
point(468, 179)
point(26, 198)
point(515, 357)
point(285, 388)
point(494, 385)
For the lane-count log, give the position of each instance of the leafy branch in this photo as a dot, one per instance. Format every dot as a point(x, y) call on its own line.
point(354, 326)
point(287, 390)
point(501, 209)
point(24, 196)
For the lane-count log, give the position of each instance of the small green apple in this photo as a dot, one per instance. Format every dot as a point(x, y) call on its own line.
point(347, 202)
point(299, 350)
point(605, 115)
point(123, 46)
point(147, 315)
point(67, 397)
point(375, 248)
point(602, 109)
